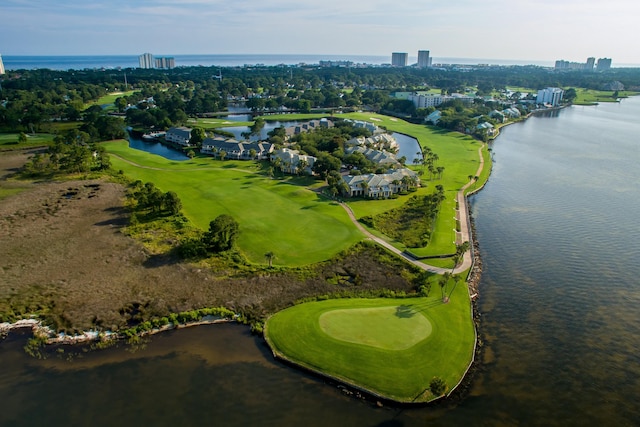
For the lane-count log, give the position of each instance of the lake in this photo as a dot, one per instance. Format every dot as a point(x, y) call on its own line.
point(559, 302)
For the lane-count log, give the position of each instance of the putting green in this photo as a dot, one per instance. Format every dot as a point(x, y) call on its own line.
point(389, 328)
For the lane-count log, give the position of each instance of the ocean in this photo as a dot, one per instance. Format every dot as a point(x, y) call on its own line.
point(81, 62)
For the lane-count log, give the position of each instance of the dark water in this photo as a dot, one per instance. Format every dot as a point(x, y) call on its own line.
point(154, 147)
point(558, 229)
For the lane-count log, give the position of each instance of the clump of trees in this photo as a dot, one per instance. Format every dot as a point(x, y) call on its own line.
point(220, 237)
point(148, 198)
point(71, 152)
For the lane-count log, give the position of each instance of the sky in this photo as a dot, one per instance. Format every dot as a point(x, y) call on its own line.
point(536, 30)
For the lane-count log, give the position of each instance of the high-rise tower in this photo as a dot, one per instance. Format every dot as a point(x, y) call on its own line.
point(1, 66)
point(146, 60)
point(399, 59)
point(423, 59)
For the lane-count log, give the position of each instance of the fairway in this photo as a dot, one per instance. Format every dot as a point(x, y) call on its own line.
point(275, 215)
point(389, 347)
point(391, 328)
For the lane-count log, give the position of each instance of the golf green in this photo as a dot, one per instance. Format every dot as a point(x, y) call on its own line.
point(389, 328)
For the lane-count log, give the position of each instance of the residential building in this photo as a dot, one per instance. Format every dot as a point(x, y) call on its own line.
point(603, 64)
point(359, 124)
point(427, 100)
point(146, 60)
point(1, 66)
point(290, 161)
point(550, 96)
point(380, 141)
point(424, 61)
point(165, 63)
point(399, 59)
point(380, 186)
point(591, 62)
point(433, 118)
point(237, 150)
point(379, 157)
point(307, 126)
point(179, 135)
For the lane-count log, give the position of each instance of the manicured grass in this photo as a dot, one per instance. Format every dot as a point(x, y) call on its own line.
point(214, 123)
point(391, 347)
point(590, 97)
point(9, 141)
point(275, 215)
point(110, 98)
point(458, 154)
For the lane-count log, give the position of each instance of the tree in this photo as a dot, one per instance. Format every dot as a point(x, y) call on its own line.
point(22, 138)
point(222, 234)
point(270, 256)
point(120, 103)
point(172, 203)
point(444, 279)
point(222, 154)
point(197, 136)
point(252, 153)
point(437, 386)
point(460, 251)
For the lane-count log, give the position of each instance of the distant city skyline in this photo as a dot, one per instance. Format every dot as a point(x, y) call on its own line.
point(519, 31)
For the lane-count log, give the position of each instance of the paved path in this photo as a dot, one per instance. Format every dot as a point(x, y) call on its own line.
point(463, 236)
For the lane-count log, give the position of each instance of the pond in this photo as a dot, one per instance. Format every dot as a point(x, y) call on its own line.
point(155, 147)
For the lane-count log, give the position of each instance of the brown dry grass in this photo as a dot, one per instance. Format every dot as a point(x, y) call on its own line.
point(63, 254)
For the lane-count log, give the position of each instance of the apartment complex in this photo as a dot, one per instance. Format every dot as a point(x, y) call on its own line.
point(1, 66)
point(399, 59)
point(424, 61)
point(146, 60)
point(551, 96)
point(603, 64)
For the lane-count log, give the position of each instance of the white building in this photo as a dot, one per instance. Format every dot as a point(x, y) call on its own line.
point(427, 100)
point(290, 161)
point(1, 66)
point(146, 60)
point(380, 186)
point(551, 96)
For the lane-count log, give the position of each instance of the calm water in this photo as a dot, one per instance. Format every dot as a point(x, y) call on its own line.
point(156, 148)
point(559, 301)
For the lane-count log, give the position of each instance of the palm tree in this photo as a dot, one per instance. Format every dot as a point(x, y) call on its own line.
point(222, 154)
point(252, 153)
point(365, 187)
point(270, 256)
point(444, 279)
point(460, 251)
point(440, 169)
point(278, 163)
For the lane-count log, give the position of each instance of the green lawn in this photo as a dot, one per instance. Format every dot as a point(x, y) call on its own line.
point(275, 215)
point(392, 347)
point(9, 141)
point(109, 98)
point(591, 97)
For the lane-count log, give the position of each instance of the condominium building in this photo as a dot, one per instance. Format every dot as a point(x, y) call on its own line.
point(550, 95)
point(399, 59)
point(603, 64)
point(146, 60)
point(166, 63)
point(424, 61)
point(1, 66)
